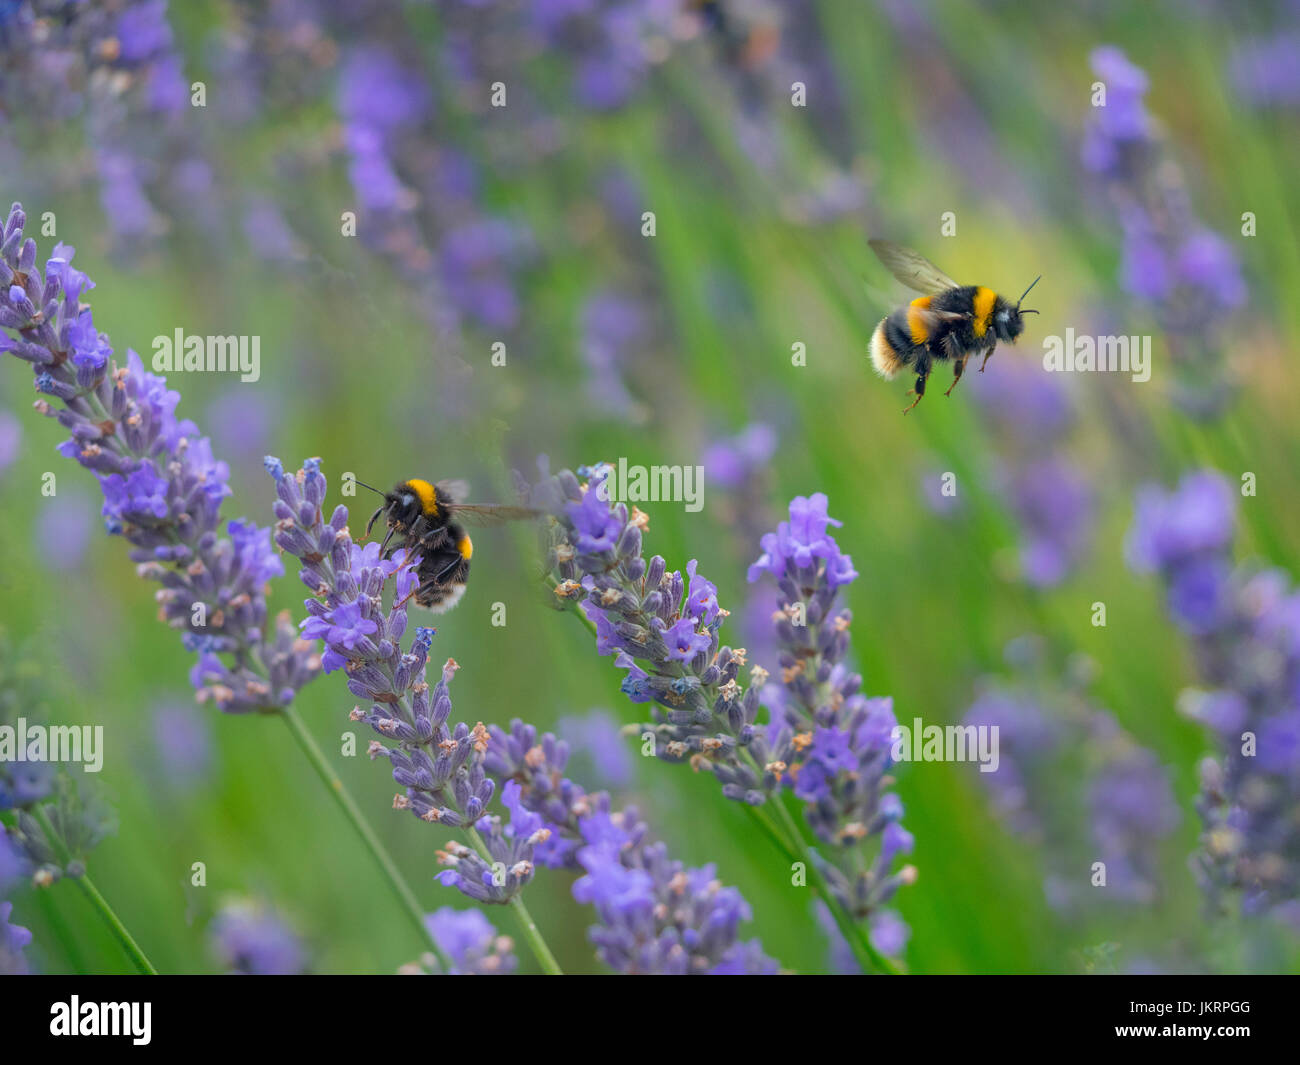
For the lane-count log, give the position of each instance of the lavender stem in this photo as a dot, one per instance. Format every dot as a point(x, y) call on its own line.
point(335, 786)
point(531, 932)
point(132, 948)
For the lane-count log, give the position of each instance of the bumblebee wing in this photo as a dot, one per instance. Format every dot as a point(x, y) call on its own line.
point(934, 319)
point(491, 513)
point(456, 489)
point(912, 268)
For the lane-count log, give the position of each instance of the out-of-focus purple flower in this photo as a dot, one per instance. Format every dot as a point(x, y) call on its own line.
point(613, 330)
point(1244, 624)
point(597, 740)
point(1025, 403)
point(377, 92)
point(13, 941)
point(269, 235)
point(1264, 71)
point(63, 530)
point(1053, 503)
point(1119, 812)
point(1130, 803)
point(184, 745)
point(1173, 528)
point(253, 940)
point(1122, 118)
point(241, 420)
point(475, 257)
point(889, 933)
point(11, 436)
point(730, 461)
point(14, 866)
point(1187, 274)
point(472, 944)
point(143, 31)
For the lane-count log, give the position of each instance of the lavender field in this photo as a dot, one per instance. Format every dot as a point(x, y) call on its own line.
point(761, 675)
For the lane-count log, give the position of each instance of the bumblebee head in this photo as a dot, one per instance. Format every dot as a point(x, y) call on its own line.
point(404, 505)
point(1008, 321)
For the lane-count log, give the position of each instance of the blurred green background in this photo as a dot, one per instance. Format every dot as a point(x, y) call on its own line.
point(972, 108)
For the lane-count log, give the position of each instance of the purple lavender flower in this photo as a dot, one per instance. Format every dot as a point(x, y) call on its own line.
point(646, 619)
point(1244, 624)
point(183, 743)
point(1263, 70)
point(613, 332)
point(655, 915)
point(1053, 503)
point(14, 866)
point(11, 435)
point(163, 488)
point(63, 530)
point(1049, 494)
point(664, 919)
point(13, 941)
point(252, 939)
point(731, 461)
point(833, 742)
point(468, 938)
point(1123, 808)
point(597, 742)
point(1188, 275)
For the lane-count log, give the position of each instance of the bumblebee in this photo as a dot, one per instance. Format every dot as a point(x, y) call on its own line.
point(426, 518)
point(948, 322)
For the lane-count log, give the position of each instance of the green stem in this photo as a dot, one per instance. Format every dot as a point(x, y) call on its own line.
point(132, 948)
point(334, 785)
point(859, 942)
point(531, 932)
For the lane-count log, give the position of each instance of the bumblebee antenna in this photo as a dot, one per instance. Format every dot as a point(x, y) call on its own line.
point(372, 488)
point(1018, 302)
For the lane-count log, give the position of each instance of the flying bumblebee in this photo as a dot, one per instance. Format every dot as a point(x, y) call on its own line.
point(426, 518)
point(948, 322)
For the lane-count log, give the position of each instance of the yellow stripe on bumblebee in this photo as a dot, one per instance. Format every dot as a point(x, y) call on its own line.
point(984, 300)
point(428, 497)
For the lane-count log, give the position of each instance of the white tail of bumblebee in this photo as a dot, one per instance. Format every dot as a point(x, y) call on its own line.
point(883, 357)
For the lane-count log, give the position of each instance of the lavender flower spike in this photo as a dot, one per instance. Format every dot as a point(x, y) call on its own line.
point(654, 915)
point(834, 741)
point(662, 629)
point(162, 485)
point(438, 764)
point(1244, 624)
point(471, 942)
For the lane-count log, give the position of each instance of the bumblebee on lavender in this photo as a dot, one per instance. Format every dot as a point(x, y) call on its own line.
point(948, 322)
point(429, 519)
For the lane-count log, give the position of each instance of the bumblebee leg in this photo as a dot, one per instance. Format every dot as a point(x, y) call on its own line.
point(918, 391)
point(957, 368)
point(987, 355)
